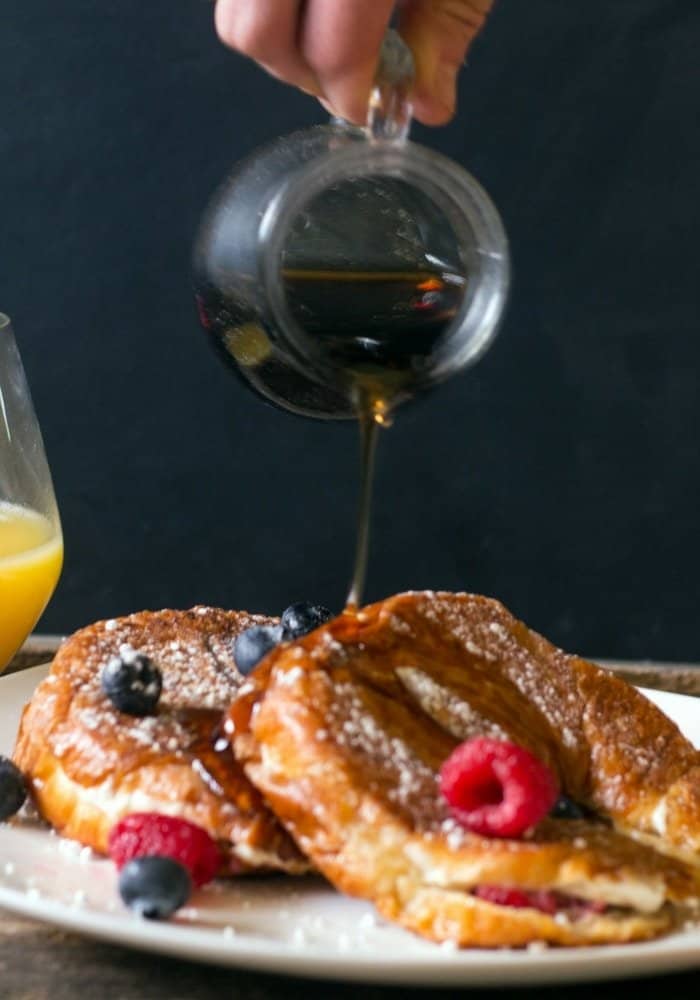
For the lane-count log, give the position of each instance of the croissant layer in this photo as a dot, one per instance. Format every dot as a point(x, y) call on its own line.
point(88, 764)
point(344, 732)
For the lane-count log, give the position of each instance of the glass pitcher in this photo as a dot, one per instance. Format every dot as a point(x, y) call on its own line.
point(341, 260)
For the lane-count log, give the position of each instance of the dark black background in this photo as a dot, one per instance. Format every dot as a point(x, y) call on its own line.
point(560, 475)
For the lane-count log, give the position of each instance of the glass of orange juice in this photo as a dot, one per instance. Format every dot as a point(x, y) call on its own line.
point(31, 543)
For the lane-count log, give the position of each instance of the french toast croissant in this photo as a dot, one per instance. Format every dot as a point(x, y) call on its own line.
point(88, 765)
point(345, 730)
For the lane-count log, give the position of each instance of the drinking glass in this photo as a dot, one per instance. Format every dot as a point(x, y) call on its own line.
point(31, 543)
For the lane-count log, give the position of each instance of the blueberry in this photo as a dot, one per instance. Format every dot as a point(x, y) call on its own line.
point(154, 886)
point(132, 682)
point(565, 808)
point(13, 790)
point(303, 617)
point(253, 644)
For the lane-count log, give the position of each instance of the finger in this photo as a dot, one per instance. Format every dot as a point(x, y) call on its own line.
point(340, 41)
point(439, 32)
point(268, 32)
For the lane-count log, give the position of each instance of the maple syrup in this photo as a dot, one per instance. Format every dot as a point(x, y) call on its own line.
point(380, 328)
point(368, 337)
point(377, 330)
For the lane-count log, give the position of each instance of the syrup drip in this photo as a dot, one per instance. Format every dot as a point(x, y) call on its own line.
point(368, 450)
point(372, 413)
point(389, 118)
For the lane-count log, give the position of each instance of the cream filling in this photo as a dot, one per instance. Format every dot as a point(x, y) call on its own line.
point(394, 862)
point(659, 816)
point(117, 804)
point(257, 858)
point(646, 895)
point(688, 857)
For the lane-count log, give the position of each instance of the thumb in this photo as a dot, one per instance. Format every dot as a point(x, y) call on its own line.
point(439, 33)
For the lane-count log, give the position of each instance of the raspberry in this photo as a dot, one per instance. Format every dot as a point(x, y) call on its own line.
point(547, 901)
point(495, 788)
point(152, 834)
point(544, 900)
point(595, 906)
point(502, 896)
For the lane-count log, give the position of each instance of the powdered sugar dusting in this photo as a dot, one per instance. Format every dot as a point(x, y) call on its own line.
point(451, 712)
point(392, 765)
point(515, 656)
point(194, 653)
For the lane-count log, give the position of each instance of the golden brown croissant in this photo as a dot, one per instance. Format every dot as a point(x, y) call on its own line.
point(88, 764)
point(344, 733)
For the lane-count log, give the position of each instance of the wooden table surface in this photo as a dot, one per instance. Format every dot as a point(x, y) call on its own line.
point(38, 962)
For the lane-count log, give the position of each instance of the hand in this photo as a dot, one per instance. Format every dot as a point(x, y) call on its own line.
point(329, 48)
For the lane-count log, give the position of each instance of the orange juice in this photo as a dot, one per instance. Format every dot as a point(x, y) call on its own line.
point(31, 556)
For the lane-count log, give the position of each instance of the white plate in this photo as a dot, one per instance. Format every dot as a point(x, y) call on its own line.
point(295, 926)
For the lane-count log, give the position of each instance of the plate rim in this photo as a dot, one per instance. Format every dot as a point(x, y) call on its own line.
point(468, 967)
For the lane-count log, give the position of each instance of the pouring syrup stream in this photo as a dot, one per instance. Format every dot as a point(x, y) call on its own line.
point(388, 119)
point(370, 417)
